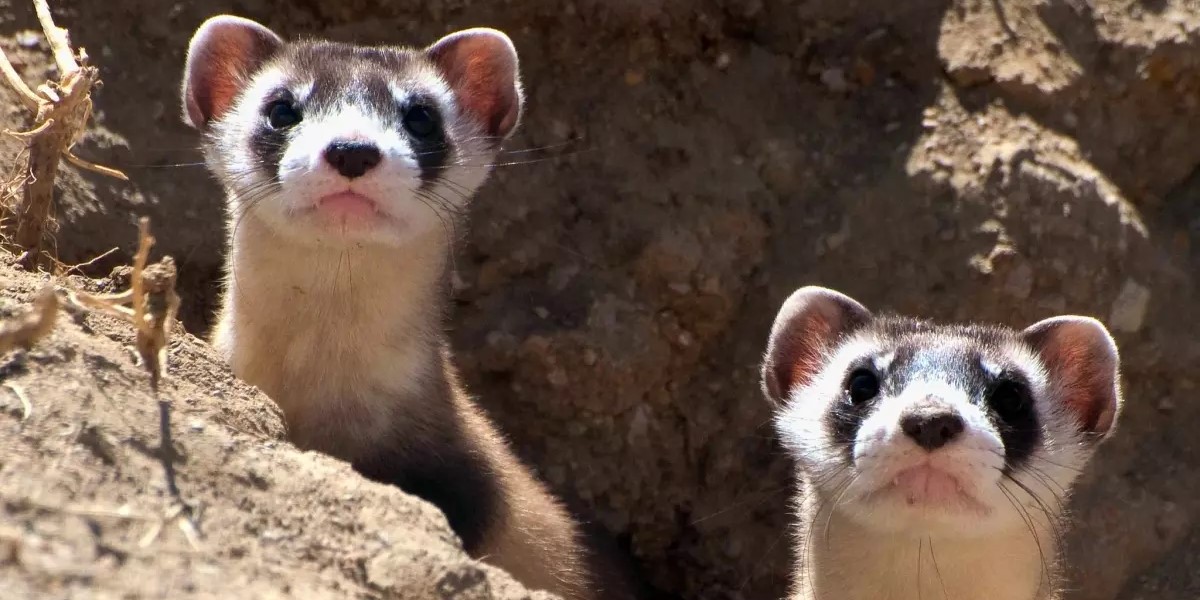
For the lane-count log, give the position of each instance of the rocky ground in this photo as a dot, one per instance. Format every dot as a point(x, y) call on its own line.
point(682, 168)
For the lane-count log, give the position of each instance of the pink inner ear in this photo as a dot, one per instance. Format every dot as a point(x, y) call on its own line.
point(808, 323)
point(481, 68)
point(222, 53)
point(1082, 361)
point(1084, 383)
point(807, 354)
point(212, 98)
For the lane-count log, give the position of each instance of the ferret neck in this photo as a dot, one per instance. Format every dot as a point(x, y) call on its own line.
point(342, 338)
point(840, 559)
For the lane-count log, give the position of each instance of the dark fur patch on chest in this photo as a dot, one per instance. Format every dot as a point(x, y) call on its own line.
point(455, 479)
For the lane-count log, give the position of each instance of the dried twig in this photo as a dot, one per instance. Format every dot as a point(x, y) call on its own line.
point(60, 44)
point(63, 109)
point(93, 167)
point(27, 329)
point(28, 98)
point(26, 405)
point(123, 512)
point(155, 305)
point(68, 269)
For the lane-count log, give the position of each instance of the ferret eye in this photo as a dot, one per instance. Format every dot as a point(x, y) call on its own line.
point(282, 114)
point(862, 386)
point(420, 122)
point(1008, 398)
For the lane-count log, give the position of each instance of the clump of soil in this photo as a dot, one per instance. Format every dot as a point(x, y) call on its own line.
point(85, 510)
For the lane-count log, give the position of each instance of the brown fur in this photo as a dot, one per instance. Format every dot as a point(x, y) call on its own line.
point(534, 539)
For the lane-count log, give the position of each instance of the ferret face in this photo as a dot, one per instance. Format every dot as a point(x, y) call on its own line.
point(912, 427)
point(334, 144)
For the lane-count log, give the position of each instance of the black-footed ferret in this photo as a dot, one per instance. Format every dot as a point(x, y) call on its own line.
point(934, 460)
point(347, 170)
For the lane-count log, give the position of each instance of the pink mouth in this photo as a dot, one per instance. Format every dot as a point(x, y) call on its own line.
point(927, 486)
point(347, 205)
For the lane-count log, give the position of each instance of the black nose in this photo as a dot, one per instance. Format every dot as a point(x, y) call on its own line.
point(932, 429)
point(352, 159)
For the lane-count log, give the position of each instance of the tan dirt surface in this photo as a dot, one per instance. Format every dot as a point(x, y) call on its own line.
point(85, 511)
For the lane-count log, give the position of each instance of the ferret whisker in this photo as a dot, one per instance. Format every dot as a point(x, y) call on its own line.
point(1046, 480)
point(166, 166)
point(523, 151)
point(1030, 524)
point(824, 505)
point(458, 188)
point(490, 166)
point(770, 548)
point(1032, 457)
point(824, 479)
point(938, 570)
point(447, 224)
point(458, 208)
point(759, 497)
point(1041, 504)
point(446, 205)
point(920, 552)
point(837, 502)
point(349, 273)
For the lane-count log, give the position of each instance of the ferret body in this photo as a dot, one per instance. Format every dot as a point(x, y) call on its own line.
point(934, 460)
point(347, 170)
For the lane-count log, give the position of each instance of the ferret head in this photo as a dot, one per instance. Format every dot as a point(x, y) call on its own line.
point(908, 426)
point(332, 143)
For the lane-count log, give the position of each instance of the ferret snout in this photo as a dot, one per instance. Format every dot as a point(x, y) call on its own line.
point(352, 158)
point(932, 425)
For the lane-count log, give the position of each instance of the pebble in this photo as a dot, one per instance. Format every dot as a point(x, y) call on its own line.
point(1019, 283)
point(835, 80)
point(1129, 308)
point(28, 39)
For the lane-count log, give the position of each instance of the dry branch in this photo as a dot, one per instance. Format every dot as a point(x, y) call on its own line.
point(155, 304)
point(63, 109)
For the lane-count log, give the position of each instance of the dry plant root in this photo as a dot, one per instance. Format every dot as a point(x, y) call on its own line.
point(154, 301)
point(154, 307)
point(62, 110)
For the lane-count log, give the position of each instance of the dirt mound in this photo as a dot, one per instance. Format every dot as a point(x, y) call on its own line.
point(683, 167)
point(85, 510)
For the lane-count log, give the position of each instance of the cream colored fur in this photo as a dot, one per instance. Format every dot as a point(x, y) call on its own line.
point(349, 344)
point(843, 560)
point(343, 328)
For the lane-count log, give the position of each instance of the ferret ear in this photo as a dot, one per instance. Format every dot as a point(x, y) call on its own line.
point(223, 52)
point(1082, 361)
point(810, 321)
point(481, 67)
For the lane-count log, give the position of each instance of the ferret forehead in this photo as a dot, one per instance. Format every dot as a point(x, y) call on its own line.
point(333, 59)
point(971, 355)
point(942, 359)
point(326, 74)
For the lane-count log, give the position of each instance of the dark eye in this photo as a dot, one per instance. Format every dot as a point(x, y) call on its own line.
point(420, 121)
point(1009, 399)
point(282, 114)
point(862, 386)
